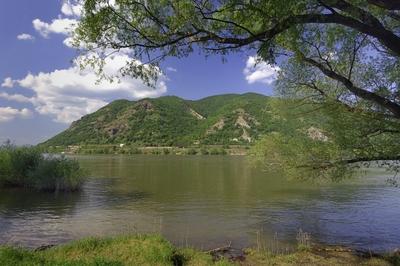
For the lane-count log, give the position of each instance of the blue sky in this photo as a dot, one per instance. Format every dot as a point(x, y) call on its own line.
point(42, 91)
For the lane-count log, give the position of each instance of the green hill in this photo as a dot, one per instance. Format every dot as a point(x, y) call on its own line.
point(172, 121)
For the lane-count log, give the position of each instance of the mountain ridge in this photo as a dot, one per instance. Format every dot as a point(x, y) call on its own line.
point(172, 121)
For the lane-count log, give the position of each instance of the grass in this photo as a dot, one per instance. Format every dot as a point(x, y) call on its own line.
point(269, 252)
point(126, 250)
point(155, 250)
point(27, 167)
point(313, 257)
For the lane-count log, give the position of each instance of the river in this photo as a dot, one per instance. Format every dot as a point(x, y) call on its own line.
point(205, 202)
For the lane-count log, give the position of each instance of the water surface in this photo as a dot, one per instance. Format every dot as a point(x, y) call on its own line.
point(204, 201)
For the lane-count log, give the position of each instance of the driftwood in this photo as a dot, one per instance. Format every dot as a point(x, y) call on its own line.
point(227, 252)
point(220, 249)
point(45, 247)
point(336, 249)
point(358, 252)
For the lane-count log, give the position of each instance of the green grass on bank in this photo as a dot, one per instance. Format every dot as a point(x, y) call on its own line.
point(27, 167)
point(133, 250)
point(317, 258)
point(155, 250)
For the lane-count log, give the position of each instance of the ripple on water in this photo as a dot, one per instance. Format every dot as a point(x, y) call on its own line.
point(206, 202)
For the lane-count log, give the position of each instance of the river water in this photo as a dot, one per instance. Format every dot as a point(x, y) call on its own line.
point(204, 201)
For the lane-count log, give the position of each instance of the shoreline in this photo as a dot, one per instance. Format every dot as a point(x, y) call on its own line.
point(153, 249)
point(121, 149)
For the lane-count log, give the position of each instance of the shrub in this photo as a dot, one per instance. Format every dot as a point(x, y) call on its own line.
point(191, 151)
point(134, 150)
point(17, 163)
point(27, 167)
point(5, 167)
point(156, 151)
point(57, 174)
point(215, 151)
point(204, 151)
point(223, 152)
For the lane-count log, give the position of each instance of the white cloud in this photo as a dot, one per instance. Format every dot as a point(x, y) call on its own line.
point(9, 113)
point(65, 23)
point(15, 97)
point(260, 71)
point(25, 37)
point(69, 8)
point(8, 83)
point(67, 94)
point(59, 25)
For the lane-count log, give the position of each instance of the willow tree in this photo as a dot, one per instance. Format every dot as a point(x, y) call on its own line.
point(338, 60)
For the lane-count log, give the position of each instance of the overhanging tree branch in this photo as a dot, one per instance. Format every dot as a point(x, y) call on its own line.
point(386, 4)
point(386, 37)
point(330, 164)
point(393, 107)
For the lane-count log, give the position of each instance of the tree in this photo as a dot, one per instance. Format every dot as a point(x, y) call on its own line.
point(338, 57)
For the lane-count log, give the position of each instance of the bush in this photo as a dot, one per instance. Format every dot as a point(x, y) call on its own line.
point(204, 151)
point(156, 151)
point(57, 174)
point(191, 152)
point(17, 163)
point(5, 168)
point(134, 150)
point(215, 151)
point(27, 167)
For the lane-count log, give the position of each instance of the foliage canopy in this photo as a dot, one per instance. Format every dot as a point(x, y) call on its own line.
point(337, 57)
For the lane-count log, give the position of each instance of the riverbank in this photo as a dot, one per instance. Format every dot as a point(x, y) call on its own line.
point(155, 250)
point(133, 149)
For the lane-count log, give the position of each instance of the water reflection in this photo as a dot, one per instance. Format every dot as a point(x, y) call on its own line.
point(204, 201)
point(32, 217)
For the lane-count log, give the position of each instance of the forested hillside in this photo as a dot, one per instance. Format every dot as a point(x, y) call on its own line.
point(172, 121)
